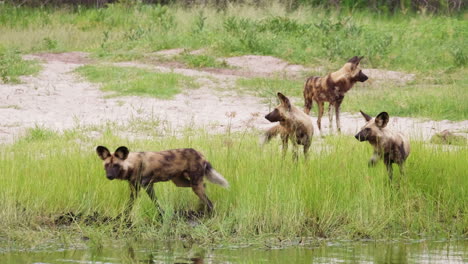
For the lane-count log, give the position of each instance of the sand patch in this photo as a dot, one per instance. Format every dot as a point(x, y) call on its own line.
point(168, 53)
point(74, 57)
point(59, 99)
point(400, 78)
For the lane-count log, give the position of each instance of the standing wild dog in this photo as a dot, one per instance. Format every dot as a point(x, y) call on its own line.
point(184, 167)
point(293, 124)
point(332, 89)
point(392, 146)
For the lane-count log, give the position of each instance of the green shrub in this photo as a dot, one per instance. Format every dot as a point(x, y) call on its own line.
point(12, 65)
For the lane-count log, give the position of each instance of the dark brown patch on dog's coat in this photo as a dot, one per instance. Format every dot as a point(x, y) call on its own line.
point(332, 89)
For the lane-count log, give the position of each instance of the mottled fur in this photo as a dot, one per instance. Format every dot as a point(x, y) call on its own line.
point(332, 89)
point(391, 146)
point(184, 167)
point(293, 125)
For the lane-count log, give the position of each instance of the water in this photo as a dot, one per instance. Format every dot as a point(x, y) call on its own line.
point(322, 252)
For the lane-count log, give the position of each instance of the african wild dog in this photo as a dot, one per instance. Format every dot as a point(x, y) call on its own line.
point(293, 124)
point(184, 167)
point(392, 146)
point(332, 89)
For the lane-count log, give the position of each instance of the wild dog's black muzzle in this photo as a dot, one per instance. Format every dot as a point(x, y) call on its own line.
point(362, 77)
point(359, 136)
point(112, 172)
point(274, 116)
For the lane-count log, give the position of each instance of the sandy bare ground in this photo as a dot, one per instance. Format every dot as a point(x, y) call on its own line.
point(59, 99)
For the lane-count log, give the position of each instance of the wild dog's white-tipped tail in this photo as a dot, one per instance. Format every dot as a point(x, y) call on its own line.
point(215, 177)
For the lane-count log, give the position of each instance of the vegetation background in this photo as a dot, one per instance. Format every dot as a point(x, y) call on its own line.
point(376, 5)
point(53, 184)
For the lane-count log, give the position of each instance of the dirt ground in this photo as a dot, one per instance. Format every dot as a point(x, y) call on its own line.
point(59, 99)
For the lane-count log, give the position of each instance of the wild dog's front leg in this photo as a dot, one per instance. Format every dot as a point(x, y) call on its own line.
point(374, 159)
point(150, 191)
point(306, 149)
point(389, 170)
point(402, 168)
point(134, 189)
point(284, 141)
point(319, 117)
point(307, 105)
point(330, 116)
point(295, 149)
point(337, 112)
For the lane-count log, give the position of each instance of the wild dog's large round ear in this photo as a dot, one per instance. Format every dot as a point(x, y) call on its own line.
point(102, 152)
point(121, 152)
point(381, 119)
point(360, 58)
point(354, 60)
point(366, 116)
point(284, 100)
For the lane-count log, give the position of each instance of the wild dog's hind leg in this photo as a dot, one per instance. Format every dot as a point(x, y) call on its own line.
point(182, 181)
point(199, 190)
point(150, 191)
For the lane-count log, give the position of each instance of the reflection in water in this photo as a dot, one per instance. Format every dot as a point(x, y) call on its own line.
point(331, 252)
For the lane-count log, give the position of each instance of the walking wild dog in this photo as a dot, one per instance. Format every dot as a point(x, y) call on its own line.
point(293, 124)
point(332, 89)
point(392, 146)
point(184, 167)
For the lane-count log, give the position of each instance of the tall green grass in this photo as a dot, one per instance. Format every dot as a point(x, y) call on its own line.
point(331, 195)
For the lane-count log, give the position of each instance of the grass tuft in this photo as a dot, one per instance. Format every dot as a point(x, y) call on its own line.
point(202, 61)
point(134, 81)
point(12, 65)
